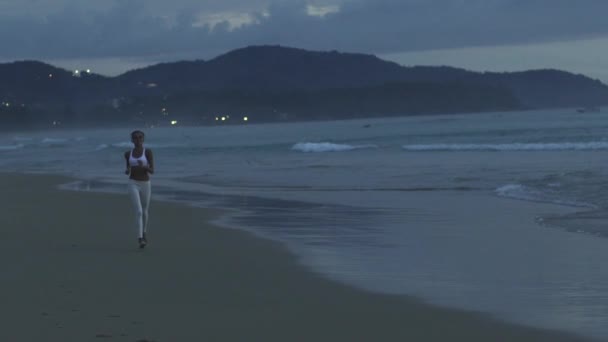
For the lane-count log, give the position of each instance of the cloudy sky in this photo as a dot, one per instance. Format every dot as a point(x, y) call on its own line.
point(112, 36)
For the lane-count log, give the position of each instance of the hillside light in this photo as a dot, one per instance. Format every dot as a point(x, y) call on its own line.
point(174, 122)
point(223, 118)
point(216, 118)
point(245, 118)
point(88, 71)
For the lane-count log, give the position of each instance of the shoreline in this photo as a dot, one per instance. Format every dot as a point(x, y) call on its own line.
point(74, 273)
point(121, 125)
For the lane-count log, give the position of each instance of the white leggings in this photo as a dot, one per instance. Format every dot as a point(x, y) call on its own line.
point(139, 191)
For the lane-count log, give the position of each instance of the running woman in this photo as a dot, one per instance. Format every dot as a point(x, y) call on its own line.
point(140, 165)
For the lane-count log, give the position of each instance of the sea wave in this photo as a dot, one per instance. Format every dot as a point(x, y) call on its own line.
point(125, 144)
point(20, 138)
point(594, 145)
point(526, 193)
point(101, 147)
point(120, 144)
point(10, 147)
point(327, 147)
point(54, 141)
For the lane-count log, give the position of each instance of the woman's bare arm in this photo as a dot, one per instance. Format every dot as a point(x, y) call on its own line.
point(128, 169)
point(150, 158)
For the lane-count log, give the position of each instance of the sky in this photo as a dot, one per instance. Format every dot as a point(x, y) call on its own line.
point(113, 36)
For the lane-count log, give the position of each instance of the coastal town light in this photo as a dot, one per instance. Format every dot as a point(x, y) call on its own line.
point(245, 118)
point(174, 122)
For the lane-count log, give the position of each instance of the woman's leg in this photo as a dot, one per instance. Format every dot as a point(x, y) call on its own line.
point(134, 190)
point(145, 193)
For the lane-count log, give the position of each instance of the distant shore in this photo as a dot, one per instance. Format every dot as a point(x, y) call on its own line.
point(39, 127)
point(72, 272)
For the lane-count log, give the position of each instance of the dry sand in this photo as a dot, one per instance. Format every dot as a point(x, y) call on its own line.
point(71, 271)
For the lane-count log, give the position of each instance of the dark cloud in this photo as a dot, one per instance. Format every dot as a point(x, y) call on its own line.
point(138, 28)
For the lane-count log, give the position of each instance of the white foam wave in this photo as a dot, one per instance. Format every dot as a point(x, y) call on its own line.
point(122, 144)
point(522, 192)
point(22, 139)
point(125, 144)
point(101, 147)
point(595, 145)
point(10, 147)
point(327, 147)
point(54, 141)
point(518, 191)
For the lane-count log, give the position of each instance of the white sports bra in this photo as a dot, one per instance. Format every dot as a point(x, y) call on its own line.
point(135, 161)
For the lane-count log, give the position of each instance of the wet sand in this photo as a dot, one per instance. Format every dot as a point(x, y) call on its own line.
point(72, 271)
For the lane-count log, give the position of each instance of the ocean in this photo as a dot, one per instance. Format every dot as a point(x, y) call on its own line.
point(504, 213)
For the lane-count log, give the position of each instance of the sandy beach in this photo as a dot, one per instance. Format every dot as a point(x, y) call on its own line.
point(72, 271)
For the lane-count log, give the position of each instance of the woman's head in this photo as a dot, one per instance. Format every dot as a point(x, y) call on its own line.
point(137, 137)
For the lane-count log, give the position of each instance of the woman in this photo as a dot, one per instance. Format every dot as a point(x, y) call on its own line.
point(140, 164)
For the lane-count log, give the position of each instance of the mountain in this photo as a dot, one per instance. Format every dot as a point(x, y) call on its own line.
point(276, 68)
point(278, 83)
point(553, 88)
point(32, 81)
point(271, 68)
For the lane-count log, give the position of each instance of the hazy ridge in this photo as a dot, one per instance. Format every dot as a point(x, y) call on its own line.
point(273, 83)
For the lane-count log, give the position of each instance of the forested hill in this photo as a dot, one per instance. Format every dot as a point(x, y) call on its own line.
point(270, 83)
